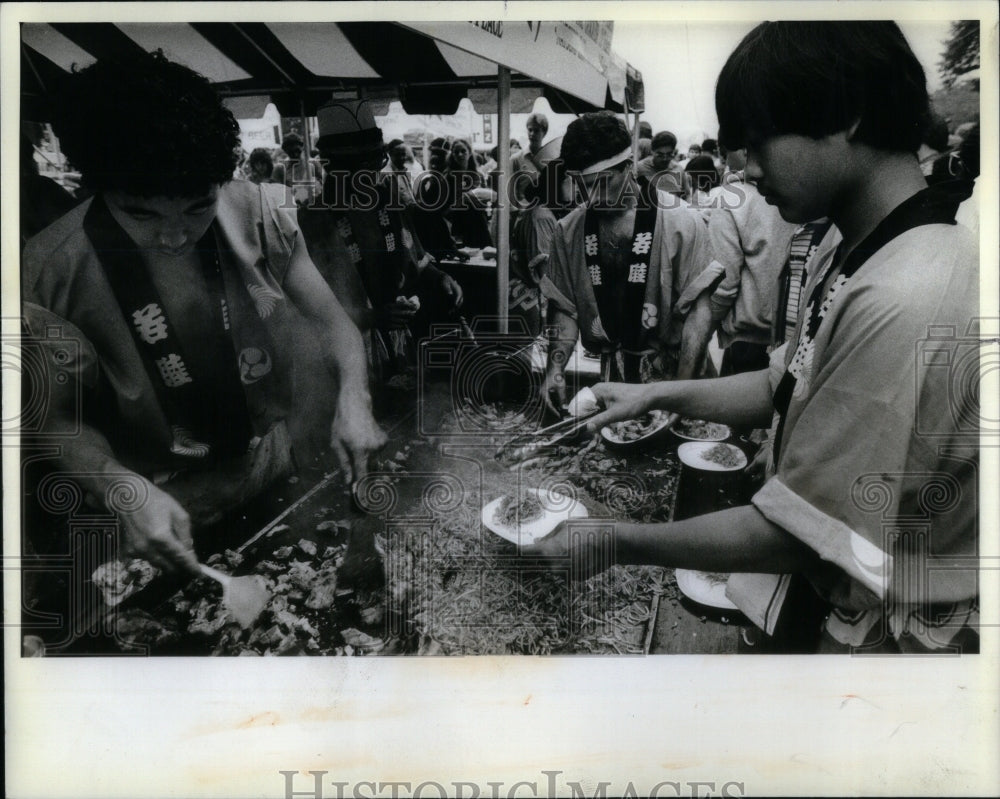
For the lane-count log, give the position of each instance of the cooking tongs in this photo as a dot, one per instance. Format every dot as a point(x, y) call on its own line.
point(528, 445)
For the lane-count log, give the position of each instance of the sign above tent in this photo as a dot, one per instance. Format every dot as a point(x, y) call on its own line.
point(574, 57)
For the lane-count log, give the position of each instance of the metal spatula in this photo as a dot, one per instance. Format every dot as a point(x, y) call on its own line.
point(244, 597)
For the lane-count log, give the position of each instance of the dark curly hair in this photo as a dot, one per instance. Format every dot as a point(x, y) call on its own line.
point(592, 138)
point(817, 78)
point(146, 126)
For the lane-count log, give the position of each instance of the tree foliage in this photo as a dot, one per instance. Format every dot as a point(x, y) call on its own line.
point(961, 51)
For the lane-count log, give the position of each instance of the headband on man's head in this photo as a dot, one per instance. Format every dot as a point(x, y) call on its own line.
point(607, 163)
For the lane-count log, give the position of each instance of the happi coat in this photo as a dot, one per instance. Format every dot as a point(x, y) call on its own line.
point(876, 455)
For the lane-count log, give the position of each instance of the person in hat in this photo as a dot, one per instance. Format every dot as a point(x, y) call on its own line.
point(873, 490)
point(365, 247)
point(630, 265)
point(298, 173)
point(174, 293)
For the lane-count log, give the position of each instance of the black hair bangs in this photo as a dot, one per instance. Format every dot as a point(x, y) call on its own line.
point(817, 78)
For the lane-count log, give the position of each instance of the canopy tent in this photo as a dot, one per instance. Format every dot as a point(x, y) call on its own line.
point(428, 66)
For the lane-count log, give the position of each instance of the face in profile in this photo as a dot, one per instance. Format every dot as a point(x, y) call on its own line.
point(169, 226)
point(797, 174)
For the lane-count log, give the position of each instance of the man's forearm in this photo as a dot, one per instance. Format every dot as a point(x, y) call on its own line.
point(697, 331)
point(733, 540)
point(562, 341)
point(344, 355)
point(744, 400)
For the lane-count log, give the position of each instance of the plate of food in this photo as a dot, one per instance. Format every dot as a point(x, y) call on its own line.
point(635, 432)
point(700, 430)
point(709, 456)
point(531, 516)
point(705, 588)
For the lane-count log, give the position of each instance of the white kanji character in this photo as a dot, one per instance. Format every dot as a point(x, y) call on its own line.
point(354, 251)
point(383, 218)
point(173, 370)
point(150, 323)
point(637, 273)
point(595, 274)
point(390, 242)
point(590, 244)
point(643, 241)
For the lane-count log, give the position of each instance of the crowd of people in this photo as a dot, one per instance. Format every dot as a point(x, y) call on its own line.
point(808, 240)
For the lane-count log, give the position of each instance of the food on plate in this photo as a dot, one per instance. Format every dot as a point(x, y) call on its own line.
point(699, 429)
point(634, 429)
point(724, 455)
point(715, 577)
point(511, 512)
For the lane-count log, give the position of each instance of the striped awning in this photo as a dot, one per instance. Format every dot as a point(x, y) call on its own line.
point(429, 67)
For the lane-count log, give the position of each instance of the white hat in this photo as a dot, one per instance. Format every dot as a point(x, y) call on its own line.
point(347, 127)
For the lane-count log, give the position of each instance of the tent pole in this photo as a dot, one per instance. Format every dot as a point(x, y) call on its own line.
point(635, 138)
point(503, 198)
point(306, 143)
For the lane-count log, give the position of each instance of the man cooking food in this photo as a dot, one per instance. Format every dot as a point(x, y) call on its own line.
point(188, 294)
point(872, 494)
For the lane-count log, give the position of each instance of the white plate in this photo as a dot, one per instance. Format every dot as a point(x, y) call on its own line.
point(679, 434)
point(697, 586)
point(607, 435)
point(692, 454)
point(556, 508)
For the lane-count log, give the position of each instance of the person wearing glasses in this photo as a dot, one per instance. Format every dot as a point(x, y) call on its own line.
point(658, 167)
